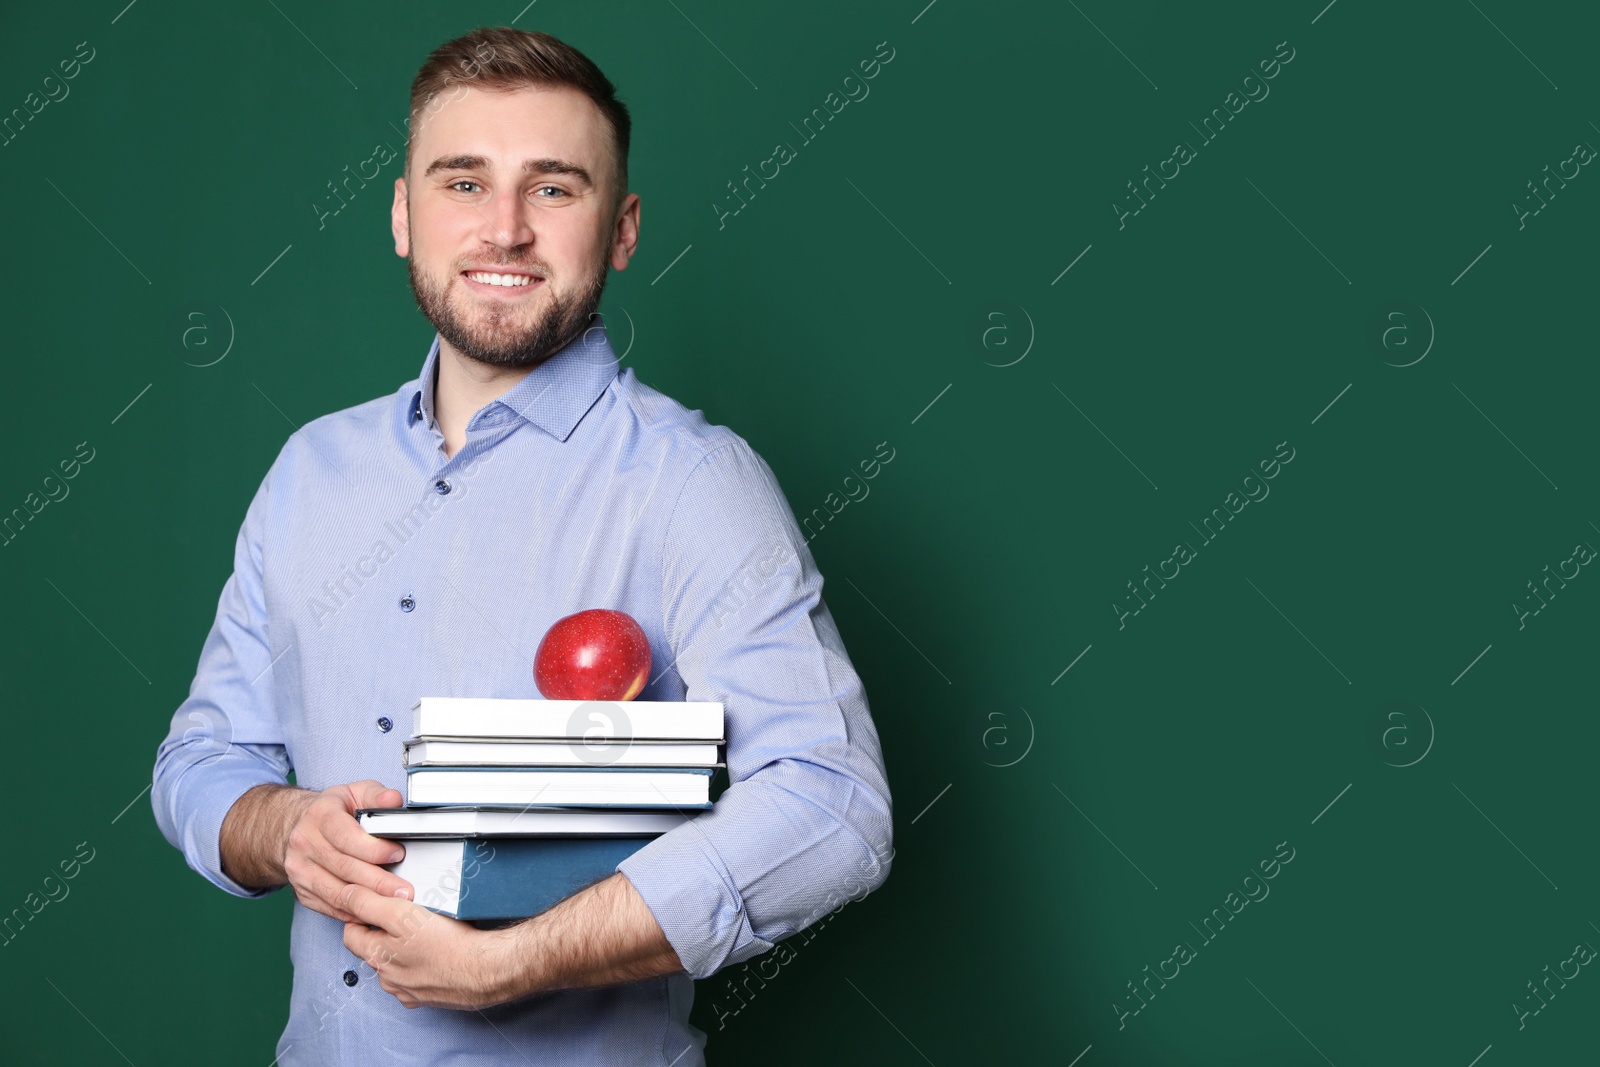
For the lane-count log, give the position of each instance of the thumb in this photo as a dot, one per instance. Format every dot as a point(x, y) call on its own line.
point(374, 794)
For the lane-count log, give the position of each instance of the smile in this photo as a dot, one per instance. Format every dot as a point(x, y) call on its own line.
point(486, 280)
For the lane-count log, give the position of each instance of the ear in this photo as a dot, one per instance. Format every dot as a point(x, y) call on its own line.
point(625, 234)
point(400, 219)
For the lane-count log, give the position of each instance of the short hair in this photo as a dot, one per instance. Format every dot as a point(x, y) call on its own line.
point(505, 58)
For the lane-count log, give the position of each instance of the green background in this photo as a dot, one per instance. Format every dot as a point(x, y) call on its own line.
point(1056, 830)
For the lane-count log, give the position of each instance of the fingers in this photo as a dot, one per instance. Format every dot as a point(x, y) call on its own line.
point(369, 793)
point(360, 940)
point(372, 945)
point(314, 885)
point(315, 888)
point(328, 853)
point(354, 855)
point(370, 908)
point(334, 897)
point(343, 833)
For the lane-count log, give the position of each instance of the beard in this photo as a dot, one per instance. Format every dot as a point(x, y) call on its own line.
point(506, 334)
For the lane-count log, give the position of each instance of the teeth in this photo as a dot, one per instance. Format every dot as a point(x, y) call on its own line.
point(511, 280)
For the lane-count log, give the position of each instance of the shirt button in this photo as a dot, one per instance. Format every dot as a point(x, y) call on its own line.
point(385, 723)
point(441, 487)
point(407, 602)
point(349, 978)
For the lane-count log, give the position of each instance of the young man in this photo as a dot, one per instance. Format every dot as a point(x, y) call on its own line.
point(422, 543)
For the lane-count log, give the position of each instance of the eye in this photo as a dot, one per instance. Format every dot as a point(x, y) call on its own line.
point(461, 181)
point(552, 189)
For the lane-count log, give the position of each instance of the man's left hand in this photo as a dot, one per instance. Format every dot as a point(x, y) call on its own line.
point(430, 960)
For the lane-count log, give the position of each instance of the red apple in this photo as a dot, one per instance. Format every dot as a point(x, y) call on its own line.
point(597, 654)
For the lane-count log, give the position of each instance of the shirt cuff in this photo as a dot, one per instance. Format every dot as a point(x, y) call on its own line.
point(204, 802)
point(703, 917)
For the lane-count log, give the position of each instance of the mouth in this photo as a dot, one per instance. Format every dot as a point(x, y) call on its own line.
point(499, 283)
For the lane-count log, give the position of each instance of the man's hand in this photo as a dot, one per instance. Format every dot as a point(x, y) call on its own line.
point(425, 959)
point(328, 854)
point(280, 834)
point(602, 935)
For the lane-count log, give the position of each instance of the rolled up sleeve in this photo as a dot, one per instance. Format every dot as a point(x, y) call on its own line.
point(224, 738)
point(806, 820)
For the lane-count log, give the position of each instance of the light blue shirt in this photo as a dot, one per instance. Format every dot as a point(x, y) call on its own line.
point(371, 569)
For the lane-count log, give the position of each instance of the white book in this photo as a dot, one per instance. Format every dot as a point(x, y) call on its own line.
point(594, 786)
point(489, 718)
point(532, 821)
point(432, 753)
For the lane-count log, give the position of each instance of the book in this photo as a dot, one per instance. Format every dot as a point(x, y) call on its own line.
point(490, 718)
point(688, 787)
point(508, 878)
point(468, 822)
point(432, 753)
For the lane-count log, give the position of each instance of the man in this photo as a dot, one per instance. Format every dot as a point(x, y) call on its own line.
point(422, 543)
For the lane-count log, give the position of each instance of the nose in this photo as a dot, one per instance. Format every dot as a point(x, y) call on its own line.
point(506, 219)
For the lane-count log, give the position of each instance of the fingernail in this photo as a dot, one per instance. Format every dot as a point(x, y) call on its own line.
point(403, 892)
point(396, 856)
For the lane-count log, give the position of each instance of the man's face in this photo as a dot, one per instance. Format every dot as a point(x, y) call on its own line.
point(517, 184)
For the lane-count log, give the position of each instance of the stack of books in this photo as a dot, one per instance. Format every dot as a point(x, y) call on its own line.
point(512, 805)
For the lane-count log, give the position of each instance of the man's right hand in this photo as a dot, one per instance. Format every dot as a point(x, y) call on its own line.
point(326, 851)
point(279, 834)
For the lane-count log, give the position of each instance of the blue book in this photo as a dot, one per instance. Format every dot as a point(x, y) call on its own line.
point(508, 877)
point(677, 787)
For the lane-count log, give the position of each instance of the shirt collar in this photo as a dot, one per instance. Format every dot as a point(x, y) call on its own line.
point(554, 396)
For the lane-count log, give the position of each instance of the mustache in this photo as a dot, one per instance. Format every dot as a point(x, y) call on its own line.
point(526, 268)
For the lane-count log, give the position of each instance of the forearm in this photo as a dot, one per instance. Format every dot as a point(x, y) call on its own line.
point(603, 935)
point(255, 834)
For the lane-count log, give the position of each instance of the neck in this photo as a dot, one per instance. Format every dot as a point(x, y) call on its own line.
point(464, 386)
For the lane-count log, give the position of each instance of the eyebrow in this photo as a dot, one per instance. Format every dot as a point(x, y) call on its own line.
point(529, 166)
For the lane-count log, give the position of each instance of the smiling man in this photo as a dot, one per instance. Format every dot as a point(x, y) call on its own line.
point(423, 542)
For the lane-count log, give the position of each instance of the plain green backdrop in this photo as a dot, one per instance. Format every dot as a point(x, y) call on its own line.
point(1069, 391)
